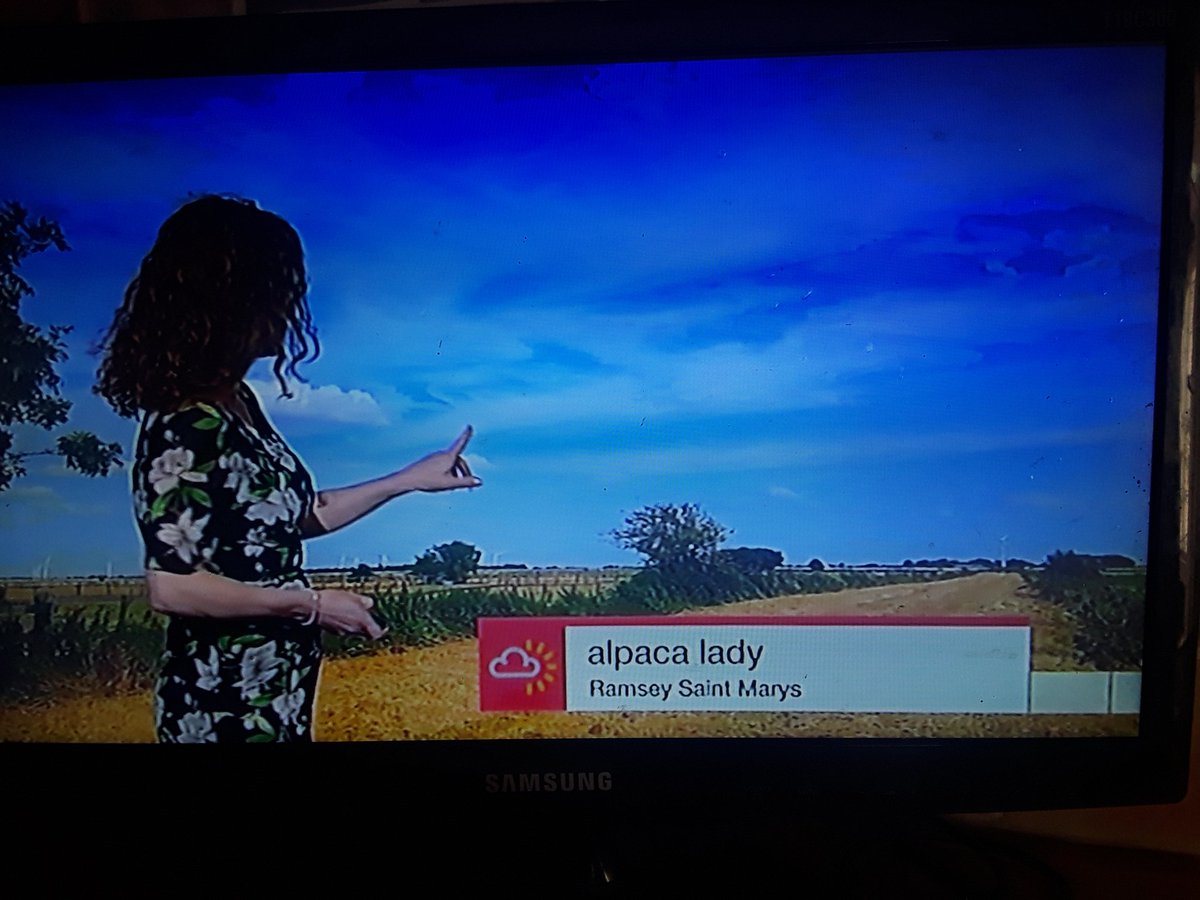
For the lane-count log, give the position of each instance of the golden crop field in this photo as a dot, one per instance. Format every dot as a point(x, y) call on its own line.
point(526, 581)
point(65, 590)
point(429, 692)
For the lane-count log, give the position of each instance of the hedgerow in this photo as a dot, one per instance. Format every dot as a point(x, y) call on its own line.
point(1108, 611)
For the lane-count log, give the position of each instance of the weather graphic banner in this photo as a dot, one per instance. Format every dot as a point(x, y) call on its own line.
point(965, 664)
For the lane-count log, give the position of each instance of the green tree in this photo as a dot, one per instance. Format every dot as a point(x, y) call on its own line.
point(1071, 565)
point(751, 560)
point(30, 387)
point(454, 562)
point(672, 536)
point(361, 572)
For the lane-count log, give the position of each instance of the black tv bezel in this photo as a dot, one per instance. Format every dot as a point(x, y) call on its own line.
point(939, 774)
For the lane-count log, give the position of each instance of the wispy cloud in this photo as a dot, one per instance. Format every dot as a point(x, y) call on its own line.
point(34, 495)
point(42, 502)
point(809, 452)
point(479, 463)
point(327, 403)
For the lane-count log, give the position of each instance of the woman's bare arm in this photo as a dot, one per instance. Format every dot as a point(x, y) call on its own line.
point(214, 596)
point(208, 595)
point(445, 470)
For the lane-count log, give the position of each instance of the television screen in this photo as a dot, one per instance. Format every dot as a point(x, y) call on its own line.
point(813, 395)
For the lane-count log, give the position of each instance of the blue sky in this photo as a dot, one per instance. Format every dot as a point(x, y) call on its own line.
point(861, 308)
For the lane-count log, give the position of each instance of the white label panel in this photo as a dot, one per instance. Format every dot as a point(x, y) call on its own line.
point(814, 668)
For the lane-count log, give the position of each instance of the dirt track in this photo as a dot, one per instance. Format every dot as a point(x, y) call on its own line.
point(429, 693)
point(988, 593)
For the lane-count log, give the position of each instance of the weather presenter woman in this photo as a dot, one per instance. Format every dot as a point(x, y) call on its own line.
point(221, 501)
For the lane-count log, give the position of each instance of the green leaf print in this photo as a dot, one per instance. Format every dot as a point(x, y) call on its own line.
point(260, 739)
point(207, 424)
point(197, 495)
point(223, 643)
point(160, 505)
point(260, 701)
point(248, 640)
point(261, 724)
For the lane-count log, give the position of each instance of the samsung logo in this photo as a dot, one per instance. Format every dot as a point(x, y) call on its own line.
point(546, 782)
point(1156, 19)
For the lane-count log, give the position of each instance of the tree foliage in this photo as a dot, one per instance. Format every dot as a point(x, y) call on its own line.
point(1108, 611)
point(751, 560)
point(30, 389)
point(454, 563)
point(361, 572)
point(672, 536)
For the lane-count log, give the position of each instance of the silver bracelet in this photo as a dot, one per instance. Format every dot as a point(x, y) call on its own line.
point(316, 608)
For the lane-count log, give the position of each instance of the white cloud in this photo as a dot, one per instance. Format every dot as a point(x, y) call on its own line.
point(328, 403)
point(786, 493)
point(478, 462)
point(39, 501)
point(34, 495)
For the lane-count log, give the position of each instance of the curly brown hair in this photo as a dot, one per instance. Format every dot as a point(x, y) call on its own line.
point(223, 285)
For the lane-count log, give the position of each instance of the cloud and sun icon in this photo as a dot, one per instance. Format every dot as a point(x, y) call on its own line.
point(534, 663)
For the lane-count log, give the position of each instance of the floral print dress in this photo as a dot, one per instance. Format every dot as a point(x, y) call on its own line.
point(214, 493)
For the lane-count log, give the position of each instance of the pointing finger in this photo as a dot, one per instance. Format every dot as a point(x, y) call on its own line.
point(460, 442)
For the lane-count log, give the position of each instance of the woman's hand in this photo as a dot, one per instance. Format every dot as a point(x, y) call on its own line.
point(445, 470)
point(344, 612)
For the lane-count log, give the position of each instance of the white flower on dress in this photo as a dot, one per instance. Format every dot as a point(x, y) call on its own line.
point(292, 500)
point(288, 706)
point(282, 455)
point(242, 473)
point(175, 464)
point(184, 535)
point(141, 504)
point(196, 728)
point(209, 679)
point(255, 542)
point(259, 665)
point(275, 506)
